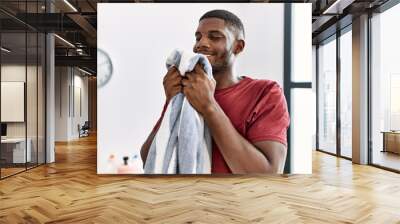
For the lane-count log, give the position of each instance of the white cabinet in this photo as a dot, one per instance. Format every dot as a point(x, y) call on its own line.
point(18, 149)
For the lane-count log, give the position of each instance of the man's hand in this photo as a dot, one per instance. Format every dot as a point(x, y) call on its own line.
point(199, 90)
point(172, 83)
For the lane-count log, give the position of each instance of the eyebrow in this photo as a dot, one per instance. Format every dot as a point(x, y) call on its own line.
point(216, 32)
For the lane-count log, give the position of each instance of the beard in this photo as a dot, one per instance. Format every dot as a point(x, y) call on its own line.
point(222, 64)
point(219, 67)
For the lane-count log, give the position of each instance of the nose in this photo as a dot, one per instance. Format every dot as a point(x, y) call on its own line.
point(203, 43)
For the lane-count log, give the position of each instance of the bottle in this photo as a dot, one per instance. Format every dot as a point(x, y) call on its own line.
point(126, 168)
point(130, 168)
point(111, 164)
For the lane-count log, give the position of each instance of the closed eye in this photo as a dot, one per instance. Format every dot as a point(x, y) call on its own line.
point(215, 38)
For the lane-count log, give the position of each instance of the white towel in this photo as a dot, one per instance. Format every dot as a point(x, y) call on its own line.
point(182, 144)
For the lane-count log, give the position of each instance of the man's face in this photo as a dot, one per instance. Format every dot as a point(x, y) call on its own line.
point(215, 40)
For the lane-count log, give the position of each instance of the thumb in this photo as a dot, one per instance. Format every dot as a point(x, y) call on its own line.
point(199, 68)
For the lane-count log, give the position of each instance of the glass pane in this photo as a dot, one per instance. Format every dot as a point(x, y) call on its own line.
point(31, 101)
point(327, 97)
point(41, 98)
point(13, 88)
point(303, 126)
point(31, 86)
point(346, 94)
point(386, 89)
point(21, 77)
point(301, 43)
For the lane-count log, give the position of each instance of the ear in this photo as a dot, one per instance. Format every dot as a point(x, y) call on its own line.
point(239, 46)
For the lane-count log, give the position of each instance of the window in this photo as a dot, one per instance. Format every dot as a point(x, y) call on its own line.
point(327, 96)
point(385, 89)
point(346, 93)
point(22, 80)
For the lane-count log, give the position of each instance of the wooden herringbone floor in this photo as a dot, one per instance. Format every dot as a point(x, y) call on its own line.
point(69, 191)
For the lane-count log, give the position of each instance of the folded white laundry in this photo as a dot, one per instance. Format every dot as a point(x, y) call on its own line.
point(182, 144)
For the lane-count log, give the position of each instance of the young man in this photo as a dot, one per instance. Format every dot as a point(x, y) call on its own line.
point(248, 118)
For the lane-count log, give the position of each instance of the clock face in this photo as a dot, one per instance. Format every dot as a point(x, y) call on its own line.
point(104, 68)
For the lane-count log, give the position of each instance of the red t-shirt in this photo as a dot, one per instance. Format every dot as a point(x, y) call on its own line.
point(257, 109)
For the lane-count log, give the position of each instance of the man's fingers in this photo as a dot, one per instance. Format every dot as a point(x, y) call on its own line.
point(175, 80)
point(185, 82)
point(199, 69)
point(174, 91)
point(172, 78)
point(177, 89)
point(185, 91)
point(172, 71)
point(190, 75)
point(172, 84)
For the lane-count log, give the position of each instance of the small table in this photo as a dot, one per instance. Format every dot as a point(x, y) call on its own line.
point(391, 141)
point(18, 149)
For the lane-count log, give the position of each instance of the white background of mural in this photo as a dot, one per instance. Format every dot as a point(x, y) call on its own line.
point(139, 37)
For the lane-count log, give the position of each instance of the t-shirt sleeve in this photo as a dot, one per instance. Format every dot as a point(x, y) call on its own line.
point(161, 118)
point(269, 120)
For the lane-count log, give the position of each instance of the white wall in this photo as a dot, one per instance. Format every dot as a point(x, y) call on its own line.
point(314, 89)
point(80, 84)
point(67, 84)
point(12, 101)
point(139, 37)
point(303, 114)
point(12, 73)
point(61, 103)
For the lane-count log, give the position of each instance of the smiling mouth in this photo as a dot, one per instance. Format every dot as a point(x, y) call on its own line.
point(205, 54)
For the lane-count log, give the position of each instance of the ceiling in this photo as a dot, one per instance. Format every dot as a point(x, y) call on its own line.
point(76, 22)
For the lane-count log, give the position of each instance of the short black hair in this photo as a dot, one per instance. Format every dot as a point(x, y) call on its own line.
point(230, 19)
